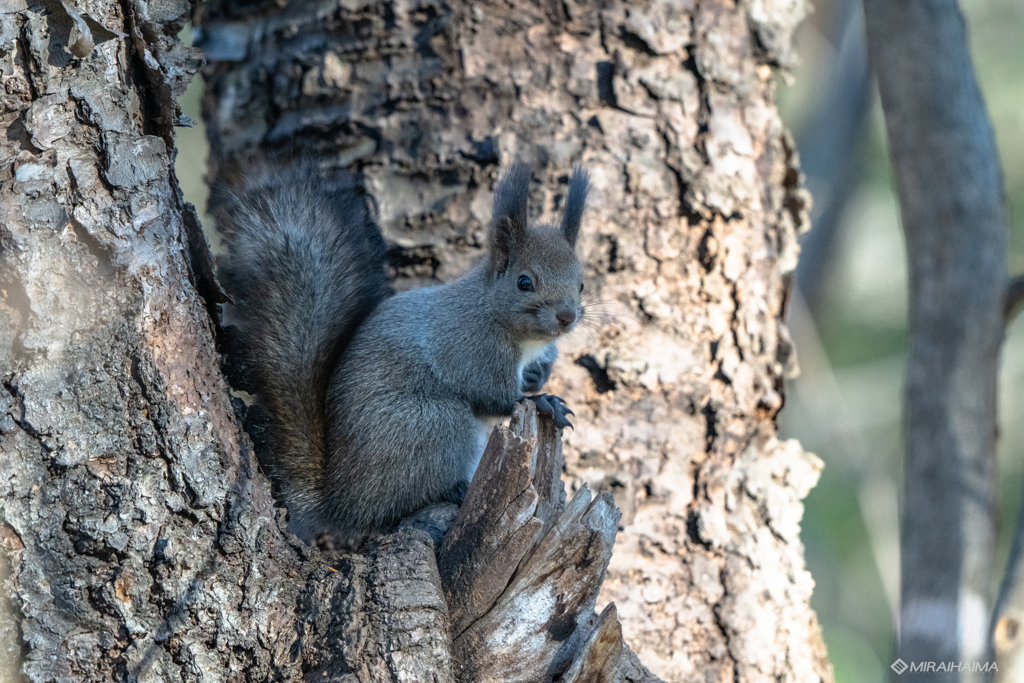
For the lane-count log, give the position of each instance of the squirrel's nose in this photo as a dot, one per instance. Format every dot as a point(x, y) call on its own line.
point(566, 317)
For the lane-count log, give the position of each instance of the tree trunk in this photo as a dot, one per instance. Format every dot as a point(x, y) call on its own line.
point(139, 539)
point(950, 189)
point(691, 239)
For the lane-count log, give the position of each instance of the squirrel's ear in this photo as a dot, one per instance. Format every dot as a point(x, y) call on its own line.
point(575, 204)
point(508, 224)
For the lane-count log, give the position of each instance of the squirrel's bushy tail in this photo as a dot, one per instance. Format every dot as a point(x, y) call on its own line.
point(304, 268)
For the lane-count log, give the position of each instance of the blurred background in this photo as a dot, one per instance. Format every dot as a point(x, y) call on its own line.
point(849, 322)
point(848, 317)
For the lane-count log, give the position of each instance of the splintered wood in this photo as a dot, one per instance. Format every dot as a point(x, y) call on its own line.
point(521, 569)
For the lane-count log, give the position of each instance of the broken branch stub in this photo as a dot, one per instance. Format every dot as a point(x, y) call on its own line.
point(493, 530)
point(521, 570)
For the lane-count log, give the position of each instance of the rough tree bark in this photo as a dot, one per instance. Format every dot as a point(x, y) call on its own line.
point(691, 240)
point(139, 541)
point(950, 189)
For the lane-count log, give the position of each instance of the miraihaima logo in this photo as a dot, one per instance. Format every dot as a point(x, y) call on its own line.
point(900, 667)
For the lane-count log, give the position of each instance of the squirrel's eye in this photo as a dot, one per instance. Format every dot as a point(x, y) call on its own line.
point(581, 286)
point(525, 284)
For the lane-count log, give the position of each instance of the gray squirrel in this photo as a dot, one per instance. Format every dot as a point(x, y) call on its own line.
point(381, 404)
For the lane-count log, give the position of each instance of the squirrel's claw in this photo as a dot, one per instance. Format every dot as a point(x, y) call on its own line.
point(555, 406)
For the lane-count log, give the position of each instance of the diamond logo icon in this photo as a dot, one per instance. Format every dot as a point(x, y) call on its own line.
point(899, 666)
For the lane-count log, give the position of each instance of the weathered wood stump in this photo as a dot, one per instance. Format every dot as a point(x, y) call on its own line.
point(521, 569)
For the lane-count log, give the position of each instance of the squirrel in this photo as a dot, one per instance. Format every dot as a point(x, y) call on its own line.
point(380, 404)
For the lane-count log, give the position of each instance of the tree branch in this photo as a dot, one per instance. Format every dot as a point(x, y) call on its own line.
point(950, 191)
point(830, 147)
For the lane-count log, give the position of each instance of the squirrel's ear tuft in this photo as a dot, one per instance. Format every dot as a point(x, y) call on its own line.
point(508, 223)
point(575, 204)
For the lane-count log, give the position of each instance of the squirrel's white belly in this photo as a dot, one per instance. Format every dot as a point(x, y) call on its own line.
point(484, 427)
point(531, 350)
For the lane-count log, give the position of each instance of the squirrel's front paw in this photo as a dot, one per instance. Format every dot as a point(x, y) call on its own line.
point(535, 375)
point(552, 405)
